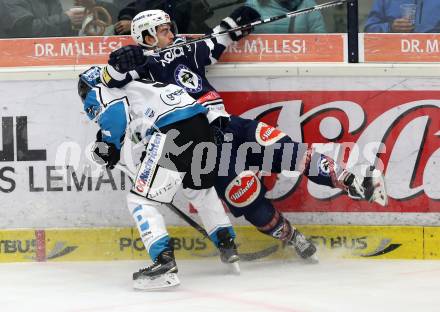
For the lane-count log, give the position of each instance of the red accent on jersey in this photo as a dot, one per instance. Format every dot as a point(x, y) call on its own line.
point(209, 96)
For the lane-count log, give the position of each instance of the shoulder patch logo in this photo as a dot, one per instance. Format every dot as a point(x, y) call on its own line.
point(187, 79)
point(267, 135)
point(243, 190)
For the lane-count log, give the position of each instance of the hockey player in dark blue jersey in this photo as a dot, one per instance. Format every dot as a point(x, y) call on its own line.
point(242, 191)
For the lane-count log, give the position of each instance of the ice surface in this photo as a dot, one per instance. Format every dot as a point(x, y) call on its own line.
point(334, 285)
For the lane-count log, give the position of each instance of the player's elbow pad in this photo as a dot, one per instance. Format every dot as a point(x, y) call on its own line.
point(241, 16)
point(113, 79)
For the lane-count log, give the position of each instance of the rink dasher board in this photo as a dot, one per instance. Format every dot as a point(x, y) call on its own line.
point(123, 243)
point(42, 103)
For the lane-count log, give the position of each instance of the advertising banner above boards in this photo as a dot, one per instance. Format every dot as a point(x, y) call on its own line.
point(254, 48)
point(113, 243)
point(46, 179)
point(95, 50)
point(400, 48)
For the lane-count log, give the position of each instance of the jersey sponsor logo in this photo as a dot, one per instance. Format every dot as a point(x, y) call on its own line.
point(149, 113)
point(267, 135)
point(172, 96)
point(187, 79)
point(171, 55)
point(243, 190)
point(146, 173)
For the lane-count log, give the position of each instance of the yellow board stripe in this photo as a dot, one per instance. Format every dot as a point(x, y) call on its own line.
point(371, 242)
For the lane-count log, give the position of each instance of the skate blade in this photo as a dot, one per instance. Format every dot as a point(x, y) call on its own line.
point(234, 268)
point(380, 194)
point(161, 282)
point(313, 259)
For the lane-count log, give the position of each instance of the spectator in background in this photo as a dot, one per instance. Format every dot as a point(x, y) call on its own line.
point(119, 4)
point(189, 15)
point(99, 18)
point(386, 16)
point(307, 23)
point(126, 14)
point(4, 21)
point(180, 14)
point(43, 18)
point(109, 6)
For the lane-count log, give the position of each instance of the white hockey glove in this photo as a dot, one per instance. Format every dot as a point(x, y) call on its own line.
point(372, 187)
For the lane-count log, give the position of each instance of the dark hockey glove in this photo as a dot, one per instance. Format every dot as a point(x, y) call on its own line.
point(127, 58)
point(104, 153)
point(241, 16)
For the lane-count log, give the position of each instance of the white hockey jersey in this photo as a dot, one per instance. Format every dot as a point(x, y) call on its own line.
point(142, 107)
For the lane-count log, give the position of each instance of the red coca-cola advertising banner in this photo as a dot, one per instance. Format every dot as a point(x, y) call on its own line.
point(398, 131)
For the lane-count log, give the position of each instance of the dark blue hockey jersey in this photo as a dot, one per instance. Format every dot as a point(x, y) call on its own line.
point(183, 66)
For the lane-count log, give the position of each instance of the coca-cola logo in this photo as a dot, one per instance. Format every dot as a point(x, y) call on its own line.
point(243, 190)
point(396, 131)
point(267, 135)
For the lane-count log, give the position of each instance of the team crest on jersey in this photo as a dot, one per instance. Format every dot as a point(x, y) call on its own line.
point(267, 135)
point(187, 79)
point(324, 166)
point(243, 190)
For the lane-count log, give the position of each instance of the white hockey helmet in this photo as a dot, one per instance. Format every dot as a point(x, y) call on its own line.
point(148, 21)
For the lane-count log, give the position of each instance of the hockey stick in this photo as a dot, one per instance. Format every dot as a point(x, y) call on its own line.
point(251, 256)
point(256, 23)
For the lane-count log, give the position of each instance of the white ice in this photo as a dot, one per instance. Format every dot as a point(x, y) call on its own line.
point(334, 285)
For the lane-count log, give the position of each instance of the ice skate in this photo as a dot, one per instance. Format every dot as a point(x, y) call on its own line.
point(303, 247)
point(371, 189)
point(161, 274)
point(228, 250)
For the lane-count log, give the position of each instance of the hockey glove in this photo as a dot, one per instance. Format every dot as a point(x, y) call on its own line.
point(127, 58)
point(372, 187)
point(104, 153)
point(241, 16)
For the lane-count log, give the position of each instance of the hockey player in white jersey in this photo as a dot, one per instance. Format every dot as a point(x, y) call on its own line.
point(170, 123)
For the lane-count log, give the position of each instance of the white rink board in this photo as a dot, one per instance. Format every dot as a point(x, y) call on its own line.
point(54, 120)
point(53, 111)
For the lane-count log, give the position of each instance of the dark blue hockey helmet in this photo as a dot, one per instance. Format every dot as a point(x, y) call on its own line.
point(87, 80)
